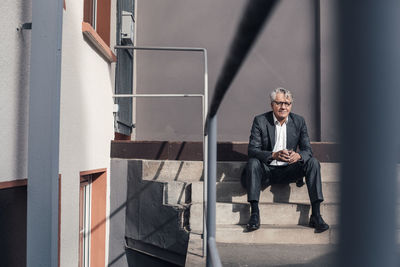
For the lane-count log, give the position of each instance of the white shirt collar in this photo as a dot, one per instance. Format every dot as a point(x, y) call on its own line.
point(276, 120)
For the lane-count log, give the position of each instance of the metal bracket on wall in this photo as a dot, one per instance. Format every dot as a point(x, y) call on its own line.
point(25, 26)
point(126, 124)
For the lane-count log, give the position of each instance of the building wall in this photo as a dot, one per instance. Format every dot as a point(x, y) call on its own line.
point(14, 88)
point(14, 97)
point(286, 54)
point(86, 123)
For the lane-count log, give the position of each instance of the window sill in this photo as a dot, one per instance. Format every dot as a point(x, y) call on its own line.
point(98, 42)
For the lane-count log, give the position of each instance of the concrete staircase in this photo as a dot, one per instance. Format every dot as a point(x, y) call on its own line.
point(285, 209)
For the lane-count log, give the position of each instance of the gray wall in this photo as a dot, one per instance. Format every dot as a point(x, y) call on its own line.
point(329, 75)
point(118, 184)
point(14, 88)
point(286, 54)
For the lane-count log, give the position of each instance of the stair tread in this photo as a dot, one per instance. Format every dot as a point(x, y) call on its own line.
point(272, 226)
point(228, 191)
point(275, 234)
point(226, 170)
point(277, 203)
point(234, 183)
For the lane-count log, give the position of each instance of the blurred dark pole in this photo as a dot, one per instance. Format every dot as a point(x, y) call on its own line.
point(251, 23)
point(369, 86)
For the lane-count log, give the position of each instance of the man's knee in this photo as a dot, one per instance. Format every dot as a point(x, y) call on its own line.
point(312, 163)
point(254, 164)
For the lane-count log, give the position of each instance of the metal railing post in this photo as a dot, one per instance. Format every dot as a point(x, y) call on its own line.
point(212, 252)
point(205, 153)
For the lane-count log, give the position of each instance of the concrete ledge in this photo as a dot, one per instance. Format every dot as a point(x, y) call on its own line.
point(227, 171)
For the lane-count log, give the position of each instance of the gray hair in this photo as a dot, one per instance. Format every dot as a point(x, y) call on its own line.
point(281, 90)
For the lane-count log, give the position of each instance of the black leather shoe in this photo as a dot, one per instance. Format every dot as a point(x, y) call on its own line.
point(318, 223)
point(254, 222)
point(299, 182)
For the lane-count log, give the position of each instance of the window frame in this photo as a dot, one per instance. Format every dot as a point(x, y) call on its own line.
point(96, 26)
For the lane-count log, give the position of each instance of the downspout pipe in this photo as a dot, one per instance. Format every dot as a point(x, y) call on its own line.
point(43, 136)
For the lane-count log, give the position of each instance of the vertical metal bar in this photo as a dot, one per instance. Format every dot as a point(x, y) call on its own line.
point(43, 137)
point(211, 188)
point(134, 85)
point(368, 103)
point(205, 153)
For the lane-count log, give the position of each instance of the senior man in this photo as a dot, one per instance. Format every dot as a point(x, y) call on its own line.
point(280, 152)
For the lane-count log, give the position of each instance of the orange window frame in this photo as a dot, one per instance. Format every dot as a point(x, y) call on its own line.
point(98, 182)
point(103, 17)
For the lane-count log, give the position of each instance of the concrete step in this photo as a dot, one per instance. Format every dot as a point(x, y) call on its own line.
point(279, 193)
point(275, 234)
point(270, 213)
point(272, 255)
point(279, 234)
point(172, 170)
point(195, 256)
point(176, 193)
point(190, 171)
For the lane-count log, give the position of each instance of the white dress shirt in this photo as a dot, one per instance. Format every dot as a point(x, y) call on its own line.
point(280, 140)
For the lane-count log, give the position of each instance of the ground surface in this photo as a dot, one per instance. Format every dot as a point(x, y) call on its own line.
point(240, 255)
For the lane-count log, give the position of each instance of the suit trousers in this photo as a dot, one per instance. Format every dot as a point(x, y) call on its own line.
point(261, 175)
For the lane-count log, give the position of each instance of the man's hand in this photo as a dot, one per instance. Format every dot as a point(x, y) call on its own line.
point(294, 157)
point(286, 156)
point(282, 155)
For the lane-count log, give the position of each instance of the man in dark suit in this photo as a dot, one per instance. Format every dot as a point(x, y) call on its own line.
point(274, 158)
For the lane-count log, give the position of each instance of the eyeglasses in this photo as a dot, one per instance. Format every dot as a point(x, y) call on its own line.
point(282, 103)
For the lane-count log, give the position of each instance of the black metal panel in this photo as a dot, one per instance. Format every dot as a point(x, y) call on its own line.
point(124, 74)
point(13, 226)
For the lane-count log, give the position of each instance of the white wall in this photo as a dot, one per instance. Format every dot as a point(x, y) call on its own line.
point(86, 123)
point(86, 126)
point(14, 85)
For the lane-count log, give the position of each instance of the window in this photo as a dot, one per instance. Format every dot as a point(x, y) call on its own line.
point(92, 218)
point(84, 221)
point(90, 11)
point(96, 25)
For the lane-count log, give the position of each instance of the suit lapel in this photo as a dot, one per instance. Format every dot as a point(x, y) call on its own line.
point(271, 129)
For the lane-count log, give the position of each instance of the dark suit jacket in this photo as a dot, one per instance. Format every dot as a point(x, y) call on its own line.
point(262, 138)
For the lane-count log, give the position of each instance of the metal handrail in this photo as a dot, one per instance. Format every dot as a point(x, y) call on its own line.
point(252, 21)
point(157, 95)
point(204, 98)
